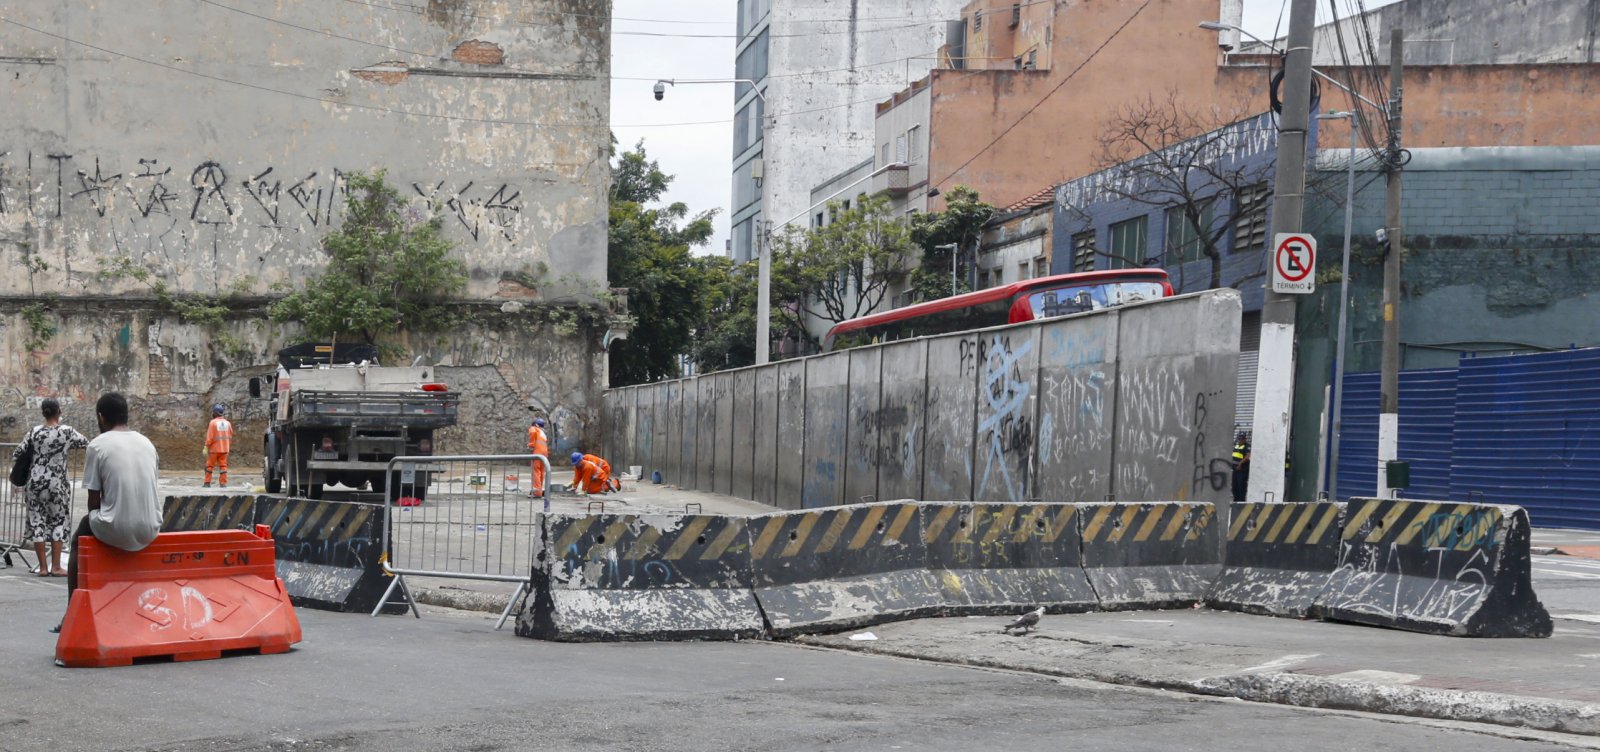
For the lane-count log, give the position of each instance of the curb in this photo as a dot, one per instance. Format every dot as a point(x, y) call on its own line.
point(461, 600)
point(1312, 692)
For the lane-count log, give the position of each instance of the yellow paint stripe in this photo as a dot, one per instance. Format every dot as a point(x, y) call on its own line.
point(869, 525)
point(1150, 522)
point(1267, 510)
point(768, 534)
point(574, 531)
point(313, 521)
point(1096, 522)
point(1417, 523)
point(332, 520)
point(831, 536)
point(1060, 524)
point(732, 530)
point(1352, 526)
point(1328, 518)
point(614, 533)
point(1240, 517)
point(902, 519)
point(1175, 524)
point(1203, 515)
point(801, 533)
point(243, 512)
point(1277, 527)
point(1390, 521)
point(1030, 524)
point(1000, 523)
point(940, 520)
point(1308, 514)
point(1129, 514)
point(687, 536)
point(643, 545)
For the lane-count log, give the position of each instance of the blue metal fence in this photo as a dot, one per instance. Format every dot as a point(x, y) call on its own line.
point(1520, 429)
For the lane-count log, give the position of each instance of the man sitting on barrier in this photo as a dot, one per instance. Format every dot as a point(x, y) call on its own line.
point(591, 474)
point(121, 475)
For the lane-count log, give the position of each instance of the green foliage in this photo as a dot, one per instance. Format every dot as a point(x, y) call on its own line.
point(209, 311)
point(960, 224)
point(842, 270)
point(385, 272)
point(670, 290)
point(41, 326)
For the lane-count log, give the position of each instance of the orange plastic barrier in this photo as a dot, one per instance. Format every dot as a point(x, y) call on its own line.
point(187, 596)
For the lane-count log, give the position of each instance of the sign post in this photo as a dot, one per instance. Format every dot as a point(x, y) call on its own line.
point(1294, 259)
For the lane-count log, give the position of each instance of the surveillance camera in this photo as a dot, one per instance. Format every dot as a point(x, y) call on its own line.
point(1383, 235)
point(661, 90)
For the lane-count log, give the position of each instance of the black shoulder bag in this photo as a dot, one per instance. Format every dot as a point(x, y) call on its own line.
point(22, 468)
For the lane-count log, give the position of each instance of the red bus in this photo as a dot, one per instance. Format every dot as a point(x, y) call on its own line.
point(1015, 303)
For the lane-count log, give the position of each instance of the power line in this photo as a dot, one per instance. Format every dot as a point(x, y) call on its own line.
point(1047, 95)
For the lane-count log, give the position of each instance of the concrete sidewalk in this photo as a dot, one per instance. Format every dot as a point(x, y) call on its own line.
point(1544, 684)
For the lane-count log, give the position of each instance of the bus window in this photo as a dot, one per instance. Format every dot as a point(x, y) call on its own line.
point(1070, 299)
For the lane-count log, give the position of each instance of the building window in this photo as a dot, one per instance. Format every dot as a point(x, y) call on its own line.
point(1016, 13)
point(1128, 244)
point(752, 63)
point(1017, 63)
point(901, 151)
point(977, 20)
point(1023, 270)
point(1041, 267)
point(1185, 242)
point(1083, 251)
point(747, 126)
point(818, 222)
point(883, 160)
point(1250, 224)
point(1033, 60)
point(912, 136)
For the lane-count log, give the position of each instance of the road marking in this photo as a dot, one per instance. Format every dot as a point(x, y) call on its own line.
point(1284, 662)
point(1378, 677)
point(1564, 573)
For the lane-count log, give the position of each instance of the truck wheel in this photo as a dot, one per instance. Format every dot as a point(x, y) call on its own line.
point(274, 483)
point(314, 491)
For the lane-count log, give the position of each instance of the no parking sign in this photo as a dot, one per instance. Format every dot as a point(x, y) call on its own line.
point(1294, 258)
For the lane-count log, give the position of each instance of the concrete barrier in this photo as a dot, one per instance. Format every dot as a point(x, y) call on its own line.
point(1436, 567)
point(1006, 558)
point(1278, 558)
point(1155, 555)
point(641, 577)
point(842, 567)
point(193, 513)
point(328, 552)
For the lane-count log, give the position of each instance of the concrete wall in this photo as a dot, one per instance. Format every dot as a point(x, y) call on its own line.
point(215, 187)
point(1134, 402)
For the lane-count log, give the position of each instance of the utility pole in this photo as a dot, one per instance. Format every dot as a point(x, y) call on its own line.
point(1269, 440)
point(1389, 408)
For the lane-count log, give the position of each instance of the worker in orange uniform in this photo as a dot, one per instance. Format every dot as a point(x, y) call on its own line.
point(219, 441)
point(538, 443)
point(591, 474)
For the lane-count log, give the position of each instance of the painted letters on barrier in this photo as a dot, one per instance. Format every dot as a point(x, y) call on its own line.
point(841, 567)
point(1005, 558)
point(1279, 558)
point(644, 577)
point(1157, 555)
point(1437, 567)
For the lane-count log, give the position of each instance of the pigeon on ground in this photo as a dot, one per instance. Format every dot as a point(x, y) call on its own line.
point(1025, 622)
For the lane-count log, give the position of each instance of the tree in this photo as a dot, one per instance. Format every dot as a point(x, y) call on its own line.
point(649, 252)
point(386, 271)
point(842, 270)
point(960, 224)
point(1162, 153)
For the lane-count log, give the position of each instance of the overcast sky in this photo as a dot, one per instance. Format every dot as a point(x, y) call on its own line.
point(690, 132)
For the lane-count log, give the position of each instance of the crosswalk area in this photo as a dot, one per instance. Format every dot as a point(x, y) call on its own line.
point(1565, 567)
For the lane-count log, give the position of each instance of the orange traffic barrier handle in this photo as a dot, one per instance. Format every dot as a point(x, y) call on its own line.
point(264, 532)
point(212, 553)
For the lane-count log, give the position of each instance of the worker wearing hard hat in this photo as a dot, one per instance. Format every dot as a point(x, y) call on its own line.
point(538, 443)
point(591, 474)
point(219, 441)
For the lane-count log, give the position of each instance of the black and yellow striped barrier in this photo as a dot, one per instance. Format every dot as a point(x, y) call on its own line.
point(1150, 555)
point(328, 551)
point(191, 513)
point(643, 577)
point(841, 567)
point(1438, 567)
point(1006, 558)
point(1278, 557)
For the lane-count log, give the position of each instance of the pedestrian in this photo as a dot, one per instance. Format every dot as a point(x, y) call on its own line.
point(49, 490)
point(591, 474)
point(120, 471)
point(1241, 465)
point(219, 441)
point(538, 443)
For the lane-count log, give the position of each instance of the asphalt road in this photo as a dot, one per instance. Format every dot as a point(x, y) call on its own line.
point(449, 682)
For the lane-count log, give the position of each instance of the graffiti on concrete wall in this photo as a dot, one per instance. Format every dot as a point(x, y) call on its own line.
point(1073, 423)
point(1154, 420)
point(1005, 423)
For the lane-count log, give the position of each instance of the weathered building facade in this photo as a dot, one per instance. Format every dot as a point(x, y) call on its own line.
point(196, 152)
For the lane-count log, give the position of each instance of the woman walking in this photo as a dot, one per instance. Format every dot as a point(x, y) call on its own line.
point(49, 492)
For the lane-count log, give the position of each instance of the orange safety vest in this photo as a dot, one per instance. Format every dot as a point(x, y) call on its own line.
point(537, 443)
point(605, 467)
point(219, 436)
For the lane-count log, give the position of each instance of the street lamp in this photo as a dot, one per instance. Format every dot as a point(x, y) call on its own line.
point(1344, 302)
point(1220, 26)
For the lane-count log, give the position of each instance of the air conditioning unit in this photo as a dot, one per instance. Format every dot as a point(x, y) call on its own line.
point(757, 169)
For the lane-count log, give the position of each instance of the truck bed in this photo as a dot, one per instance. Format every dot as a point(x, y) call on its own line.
point(318, 409)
